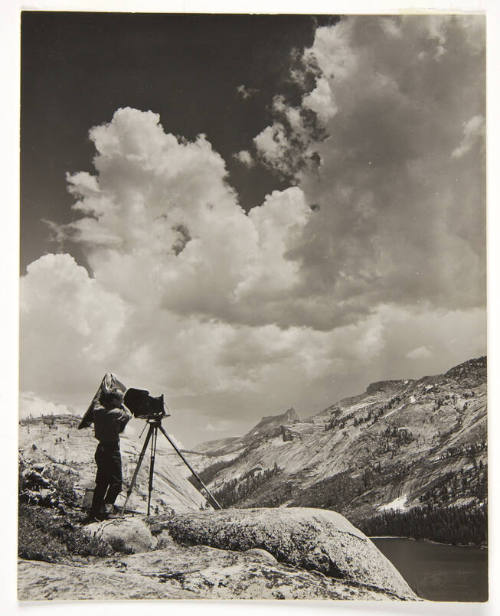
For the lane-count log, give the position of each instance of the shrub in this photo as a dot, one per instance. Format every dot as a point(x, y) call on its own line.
point(63, 483)
point(58, 485)
point(42, 535)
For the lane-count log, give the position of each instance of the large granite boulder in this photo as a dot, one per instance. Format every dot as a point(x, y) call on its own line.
point(125, 535)
point(313, 539)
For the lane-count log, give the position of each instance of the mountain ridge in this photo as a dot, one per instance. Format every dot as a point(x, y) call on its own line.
point(401, 445)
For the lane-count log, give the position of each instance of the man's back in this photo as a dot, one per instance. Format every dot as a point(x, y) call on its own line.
point(109, 422)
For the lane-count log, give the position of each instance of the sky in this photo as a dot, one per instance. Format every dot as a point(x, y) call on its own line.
point(248, 213)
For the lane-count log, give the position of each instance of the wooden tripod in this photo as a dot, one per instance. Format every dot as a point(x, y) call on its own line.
point(152, 435)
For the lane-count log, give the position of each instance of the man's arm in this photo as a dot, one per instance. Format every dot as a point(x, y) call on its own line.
point(122, 416)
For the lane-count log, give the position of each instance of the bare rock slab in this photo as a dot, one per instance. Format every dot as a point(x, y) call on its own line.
point(306, 538)
point(185, 572)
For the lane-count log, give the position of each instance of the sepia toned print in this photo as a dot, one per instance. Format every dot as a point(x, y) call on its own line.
point(253, 307)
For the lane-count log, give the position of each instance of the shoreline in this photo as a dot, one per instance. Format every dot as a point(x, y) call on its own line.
point(425, 540)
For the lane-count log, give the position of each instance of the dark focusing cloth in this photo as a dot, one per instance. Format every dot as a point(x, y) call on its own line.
point(109, 384)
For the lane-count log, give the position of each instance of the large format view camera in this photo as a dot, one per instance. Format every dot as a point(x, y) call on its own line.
point(143, 405)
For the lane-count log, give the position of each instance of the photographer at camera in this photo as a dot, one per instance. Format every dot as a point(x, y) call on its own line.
point(109, 417)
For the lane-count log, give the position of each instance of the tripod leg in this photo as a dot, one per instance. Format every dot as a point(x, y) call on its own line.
point(195, 474)
point(138, 466)
point(152, 466)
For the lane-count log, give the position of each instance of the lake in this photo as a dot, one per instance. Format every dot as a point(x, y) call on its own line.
point(439, 572)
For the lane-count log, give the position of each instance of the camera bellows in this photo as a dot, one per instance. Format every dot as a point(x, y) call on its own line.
point(141, 404)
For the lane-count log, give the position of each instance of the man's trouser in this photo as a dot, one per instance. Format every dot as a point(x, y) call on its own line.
point(108, 481)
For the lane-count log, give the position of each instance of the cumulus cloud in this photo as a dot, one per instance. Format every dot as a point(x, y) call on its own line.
point(245, 158)
point(398, 220)
point(391, 27)
point(420, 352)
point(245, 92)
point(272, 145)
point(162, 227)
point(474, 131)
point(374, 256)
point(70, 325)
point(31, 405)
point(321, 101)
point(177, 267)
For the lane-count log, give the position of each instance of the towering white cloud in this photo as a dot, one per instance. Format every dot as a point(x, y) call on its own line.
point(161, 226)
point(177, 268)
point(372, 265)
point(401, 207)
point(70, 325)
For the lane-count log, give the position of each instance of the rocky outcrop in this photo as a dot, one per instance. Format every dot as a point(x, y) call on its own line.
point(126, 535)
point(45, 484)
point(287, 434)
point(297, 431)
point(178, 572)
point(271, 423)
point(385, 386)
point(251, 554)
point(310, 539)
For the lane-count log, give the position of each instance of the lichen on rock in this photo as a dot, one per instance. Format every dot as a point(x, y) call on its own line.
point(310, 539)
point(230, 554)
point(126, 535)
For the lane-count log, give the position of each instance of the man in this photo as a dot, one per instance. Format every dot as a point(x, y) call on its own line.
point(109, 417)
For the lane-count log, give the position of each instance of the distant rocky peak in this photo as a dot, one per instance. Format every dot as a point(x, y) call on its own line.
point(273, 421)
point(290, 415)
